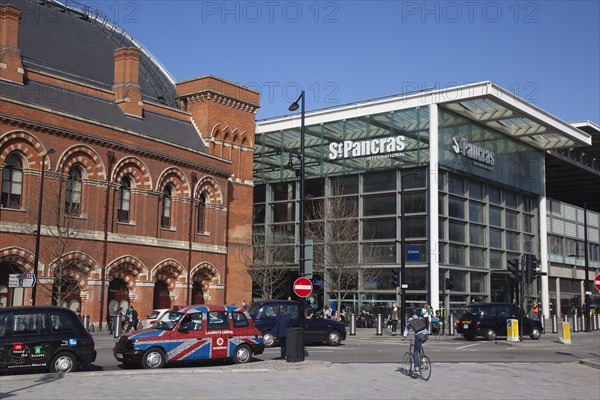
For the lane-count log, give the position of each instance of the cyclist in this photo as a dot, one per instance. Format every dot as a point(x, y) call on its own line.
point(419, 326)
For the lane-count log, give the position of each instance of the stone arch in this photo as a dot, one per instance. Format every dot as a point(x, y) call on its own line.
point(85, 156)
point(246, 140)
point(169, 271)
point(27, 145)
point(210, 186)
point(18, 255)
point(177, 178)
point(128, 268)
point(79, 266)
point(216, 132)
point(205, 273)
point(236, 137)
point(137, 169)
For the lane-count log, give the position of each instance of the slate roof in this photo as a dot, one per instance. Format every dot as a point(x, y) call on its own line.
point(66, 43)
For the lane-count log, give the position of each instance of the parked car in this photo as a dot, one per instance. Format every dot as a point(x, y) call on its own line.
point(152, 318)
point(43, 338)
point(192, 333)
point(489, 320)
point(316, 330)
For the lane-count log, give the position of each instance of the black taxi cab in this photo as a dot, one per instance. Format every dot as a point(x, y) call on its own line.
point(192, 333)
point(43, 338)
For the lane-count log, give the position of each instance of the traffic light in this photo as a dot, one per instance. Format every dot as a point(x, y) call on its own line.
point(513, 268)
point(530, 268)
point(396, 277)
point(449, 284)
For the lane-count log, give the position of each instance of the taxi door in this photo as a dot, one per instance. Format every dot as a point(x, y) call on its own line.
point(28, 344)
point(219, 333)
point(190, 336)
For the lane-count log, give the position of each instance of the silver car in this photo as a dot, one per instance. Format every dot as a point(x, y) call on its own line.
point(152, 318)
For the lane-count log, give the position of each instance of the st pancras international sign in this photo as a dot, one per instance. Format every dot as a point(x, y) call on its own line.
point(380, 147)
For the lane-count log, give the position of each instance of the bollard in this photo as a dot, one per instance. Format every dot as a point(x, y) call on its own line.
point(581, 323)
point(451, 325)
point(565, 318)
point(86, 322)
point(597, 318)
point(575, 326)
point(543, 321)
point(379, 326)
point(554, 324)
point(118, 326)
point(352, 324)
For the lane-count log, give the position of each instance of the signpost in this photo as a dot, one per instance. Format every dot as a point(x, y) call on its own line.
point(21, 280)
point(597, 282)
point(303, 287)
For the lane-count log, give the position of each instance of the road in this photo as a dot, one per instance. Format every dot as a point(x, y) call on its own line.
point(366, 347)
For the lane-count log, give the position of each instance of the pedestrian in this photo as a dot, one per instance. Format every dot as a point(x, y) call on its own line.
point(244, 305)
point(113, 320)
point(326, 311)
point(419, 326)
point(426, 313)
point(133, 319)
point(394, 318)
point(282, 323)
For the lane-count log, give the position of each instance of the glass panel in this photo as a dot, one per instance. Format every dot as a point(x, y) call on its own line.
point(476, 212)
point(475, 190)
point(456, 231)
point(511, 199)
point(512, 219)
point(284, 212)
point(529, 244)
point(384, 253)
point(478, 282)
point(346, 184)
point(528, 204)
point(528, 223)
point(456, 254)
point(456, 207)
point(477, 257)
point(495, 216)
point(477, 234)
point(414, 179)
point(496, 238)
point(495, 195)
point(379, 229)
point(284, 191)
point(379, 205)
point(459, 279)
point(416, 227)
point(512, 241)
point(496, 259)
point(456, 184)
point(314, 187)
point(380, 181)
point(416, 278)
point(415, 202)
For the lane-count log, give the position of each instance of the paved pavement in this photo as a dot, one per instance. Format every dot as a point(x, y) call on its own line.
point(310, 379)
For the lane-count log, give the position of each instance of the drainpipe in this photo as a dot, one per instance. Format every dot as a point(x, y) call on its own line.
point(191, 226)
point(111, 160)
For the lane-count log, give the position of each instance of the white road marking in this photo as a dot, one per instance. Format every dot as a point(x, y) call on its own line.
point(469, 345)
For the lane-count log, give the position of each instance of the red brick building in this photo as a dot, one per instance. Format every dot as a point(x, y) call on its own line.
point(147, 183)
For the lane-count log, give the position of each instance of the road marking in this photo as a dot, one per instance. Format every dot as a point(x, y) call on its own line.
point(469, 345)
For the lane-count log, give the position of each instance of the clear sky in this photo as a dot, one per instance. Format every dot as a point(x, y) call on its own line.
point(547, 52)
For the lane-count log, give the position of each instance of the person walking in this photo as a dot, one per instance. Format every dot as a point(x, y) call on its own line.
point(394, 318)
point(282, 323)
point(419, 326)
point(133, 319)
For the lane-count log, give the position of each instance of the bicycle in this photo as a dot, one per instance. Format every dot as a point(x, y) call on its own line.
point(424, 364)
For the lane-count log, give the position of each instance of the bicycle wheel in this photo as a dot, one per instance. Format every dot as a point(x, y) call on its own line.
point(407, 363)
point(425, 368)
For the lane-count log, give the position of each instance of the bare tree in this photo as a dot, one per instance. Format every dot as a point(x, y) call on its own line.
point(63, 233)
point(269, 263)
point(336, 254)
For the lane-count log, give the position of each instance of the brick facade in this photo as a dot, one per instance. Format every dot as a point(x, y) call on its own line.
point(99, 256)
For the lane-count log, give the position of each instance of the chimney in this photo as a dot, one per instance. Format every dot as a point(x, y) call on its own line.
point(11, 68)
point(128, 95)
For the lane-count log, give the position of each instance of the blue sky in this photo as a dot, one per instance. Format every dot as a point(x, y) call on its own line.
point(547, 52)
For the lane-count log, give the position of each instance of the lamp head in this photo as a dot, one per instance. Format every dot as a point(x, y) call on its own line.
point(294, 106)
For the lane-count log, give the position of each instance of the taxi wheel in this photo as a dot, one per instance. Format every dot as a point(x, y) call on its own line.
point(535, 334)
point(490, 334)
point(268, 339)
point(334, 338)
point(242, 354)
point(153, 358)
point(63, 362)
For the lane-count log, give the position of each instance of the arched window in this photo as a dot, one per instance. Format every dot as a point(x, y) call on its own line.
point(202, 213)
point(165, 220)
point(12, 182)
point(124, 199)
point(73, 197)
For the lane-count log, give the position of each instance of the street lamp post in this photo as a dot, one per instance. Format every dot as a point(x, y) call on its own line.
point(293, 107)
point(39, 226)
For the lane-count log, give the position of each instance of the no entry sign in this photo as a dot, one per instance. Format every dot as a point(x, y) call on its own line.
point(597, 282)
point(303, 287)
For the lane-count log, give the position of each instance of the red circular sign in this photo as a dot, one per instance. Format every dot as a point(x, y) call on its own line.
point(597, 282)
point(303, 287)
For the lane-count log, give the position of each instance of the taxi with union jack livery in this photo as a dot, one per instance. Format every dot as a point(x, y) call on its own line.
point(192, 333)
